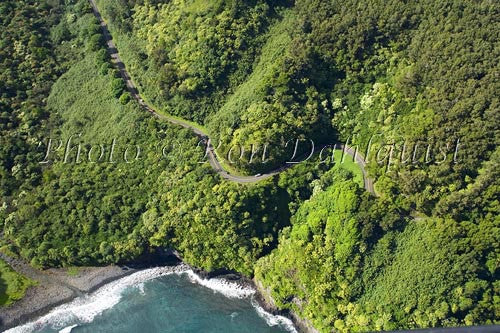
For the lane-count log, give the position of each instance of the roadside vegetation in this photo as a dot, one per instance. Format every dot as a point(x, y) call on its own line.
point(263, 72)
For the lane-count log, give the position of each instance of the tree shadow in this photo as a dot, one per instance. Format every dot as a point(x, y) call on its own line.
point(3, 290)
point(3, 294)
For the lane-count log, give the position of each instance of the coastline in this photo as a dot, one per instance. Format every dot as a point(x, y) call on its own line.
point(41, 299)
point(58, 288)
point(265, 300)
point(262, 296)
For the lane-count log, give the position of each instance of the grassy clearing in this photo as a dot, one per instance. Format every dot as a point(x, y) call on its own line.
point(349, 165)
point(74, 98)
point(13, 286)
point(73, 271)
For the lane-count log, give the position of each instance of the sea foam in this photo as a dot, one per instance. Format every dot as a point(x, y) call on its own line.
point(84, 309)
point(227, 288)
point(68, 329)
point(273, 320)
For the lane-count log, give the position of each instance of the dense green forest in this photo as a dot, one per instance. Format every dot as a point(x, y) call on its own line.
point(400, 77)
point(81, 211)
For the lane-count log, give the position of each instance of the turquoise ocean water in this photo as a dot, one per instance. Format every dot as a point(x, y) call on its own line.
point(162, 301)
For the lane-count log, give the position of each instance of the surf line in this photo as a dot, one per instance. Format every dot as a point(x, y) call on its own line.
point(86, 308)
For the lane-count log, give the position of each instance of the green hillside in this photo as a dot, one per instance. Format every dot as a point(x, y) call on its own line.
point(413, 85)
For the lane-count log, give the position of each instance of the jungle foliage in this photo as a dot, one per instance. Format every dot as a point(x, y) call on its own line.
point(424, 253)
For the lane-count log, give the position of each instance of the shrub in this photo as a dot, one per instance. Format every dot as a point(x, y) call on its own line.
point(125, 98)
point(117, 87)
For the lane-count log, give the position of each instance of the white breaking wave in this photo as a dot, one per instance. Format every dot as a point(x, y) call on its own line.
point(273, 320)
point(227, 288)
point(84, 309)
point(67, 329)
point(140, 286)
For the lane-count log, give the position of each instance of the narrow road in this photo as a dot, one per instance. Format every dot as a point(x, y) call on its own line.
point(212, 158)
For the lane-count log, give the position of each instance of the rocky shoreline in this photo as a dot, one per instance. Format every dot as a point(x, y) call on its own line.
point(57, 287)
point(42, 298)
point(265, 300)
point(262, 296)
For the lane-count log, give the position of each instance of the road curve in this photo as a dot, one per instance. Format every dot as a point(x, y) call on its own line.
point(212, 158)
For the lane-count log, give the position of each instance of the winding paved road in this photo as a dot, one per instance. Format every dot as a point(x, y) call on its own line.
point(212, 158)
